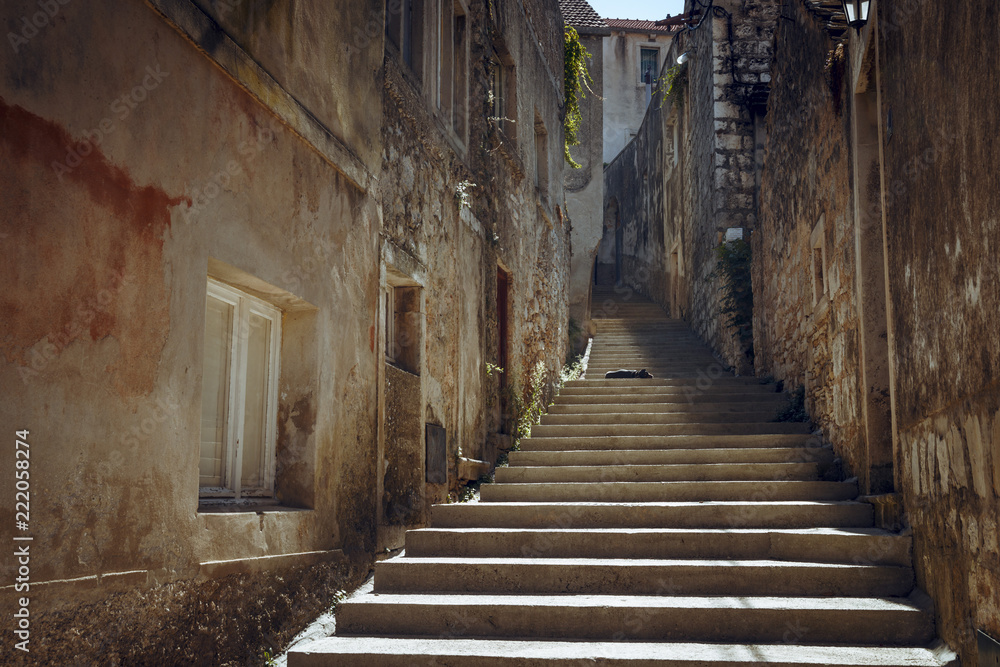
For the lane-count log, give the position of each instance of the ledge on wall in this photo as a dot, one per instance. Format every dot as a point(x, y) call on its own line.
point(472, 469)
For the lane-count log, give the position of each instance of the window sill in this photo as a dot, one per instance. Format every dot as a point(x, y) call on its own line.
point(244, 505)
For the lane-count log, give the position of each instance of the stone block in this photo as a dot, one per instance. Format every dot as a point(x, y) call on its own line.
point(731, 142)
point(956, 456)
point(977, 455)
point(472, 469)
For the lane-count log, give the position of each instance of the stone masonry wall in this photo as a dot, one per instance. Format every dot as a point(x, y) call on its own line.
point(939, 128)
point(799, 339)
point(943, 235)
point(456, 246)
point(737, 41)
point(687, 207)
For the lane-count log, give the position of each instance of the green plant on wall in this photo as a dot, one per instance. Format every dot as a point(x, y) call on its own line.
point(576, 77)
point(527, 405)
point(733, 269)
point(672, 84)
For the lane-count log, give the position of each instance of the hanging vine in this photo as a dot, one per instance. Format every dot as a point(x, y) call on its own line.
point(576, 77)
point(672, 85)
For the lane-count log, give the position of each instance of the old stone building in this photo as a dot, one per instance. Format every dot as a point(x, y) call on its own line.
point(585, 183)
point(262, 259)
point(855, 163)
point(634, 53)
point(691, 174)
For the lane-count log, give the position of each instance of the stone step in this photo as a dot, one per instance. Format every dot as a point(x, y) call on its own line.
point(656, 492)
point(661, 417)
point(621, 576)
point(648, 338)
point(693, 428)
point(667, 457)
point(640, 617)
point(866, 546)
point(769, 406)
point(675, 390)
point(676, 397)
point(596, 372)
point(639, 361)
point(616, 442)
point(408, 652)
point(661, 385)
point(658, 473)
point(710, 514)
point(651, 345)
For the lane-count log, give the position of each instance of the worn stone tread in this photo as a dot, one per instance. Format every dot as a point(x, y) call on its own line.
point(407, 652)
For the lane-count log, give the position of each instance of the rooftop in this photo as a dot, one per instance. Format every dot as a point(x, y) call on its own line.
point(638, 25)
point(579, 14)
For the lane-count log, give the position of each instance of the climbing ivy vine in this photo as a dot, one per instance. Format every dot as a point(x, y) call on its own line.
point(576, 77)
point(672, 84)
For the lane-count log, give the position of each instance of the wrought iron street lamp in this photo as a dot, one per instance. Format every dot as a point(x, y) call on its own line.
point(857, 13)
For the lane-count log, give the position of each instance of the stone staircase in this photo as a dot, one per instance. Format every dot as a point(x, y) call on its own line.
point(647, 522)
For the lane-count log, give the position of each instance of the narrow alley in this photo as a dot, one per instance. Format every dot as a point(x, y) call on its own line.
point(667, 521)
point(506, 333)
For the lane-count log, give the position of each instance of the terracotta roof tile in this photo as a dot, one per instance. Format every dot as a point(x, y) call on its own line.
point(636, 25)
point(579, 14)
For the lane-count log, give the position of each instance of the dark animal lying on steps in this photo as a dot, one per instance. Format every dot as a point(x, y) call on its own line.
point(624, 373)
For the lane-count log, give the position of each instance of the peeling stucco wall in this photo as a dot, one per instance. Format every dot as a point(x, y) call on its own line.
point(146, 146)
point(625, 97)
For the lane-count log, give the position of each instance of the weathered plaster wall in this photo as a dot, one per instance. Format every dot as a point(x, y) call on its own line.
point(943, 192)
point(329, 70)
point(625, 97)
point(805, 200)
point(585, 186)
point(204, 161)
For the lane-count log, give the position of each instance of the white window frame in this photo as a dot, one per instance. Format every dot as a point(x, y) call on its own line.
point(389, 313)
point(498, 83)
point(648, 46)
point(243, 306)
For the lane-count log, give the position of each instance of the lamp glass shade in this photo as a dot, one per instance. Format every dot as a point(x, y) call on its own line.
point(857, 12)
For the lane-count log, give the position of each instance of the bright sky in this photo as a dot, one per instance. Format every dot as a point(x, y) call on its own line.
point(649, 10)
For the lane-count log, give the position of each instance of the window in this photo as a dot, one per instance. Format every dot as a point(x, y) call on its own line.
point(453, 65)
point(404, 27)
point(648, 65)
point(239, 394)
point(497, 86)
point(403, 326)
point(503, 90)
